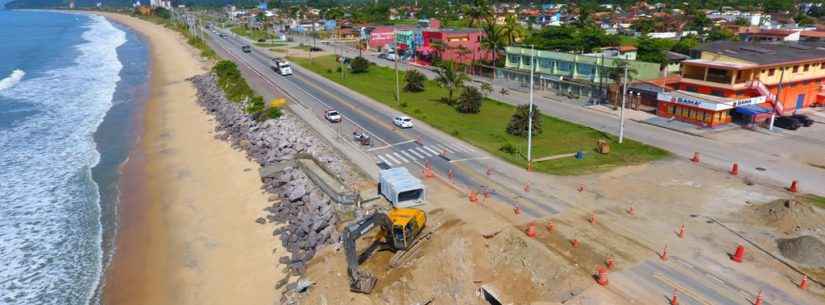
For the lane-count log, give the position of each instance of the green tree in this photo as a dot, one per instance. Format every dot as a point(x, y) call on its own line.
point(450, 78)
point(359, 65)
point(162, 13)
point(512, 30)
point(470, 100)
point(700, 22)
point(476, 12)
point(569, 38)
point(653, 50)
point(804, 20)
point(519, 122)
point(718, 33)
point(777, 6)
point(415, 81)
point(742, 22)
point(493, 40)
point(685, 44)
point(644, 25)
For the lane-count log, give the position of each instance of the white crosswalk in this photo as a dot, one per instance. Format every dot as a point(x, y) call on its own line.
point(400, 157)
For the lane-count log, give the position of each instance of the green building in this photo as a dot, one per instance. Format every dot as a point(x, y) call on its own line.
point(581, 75)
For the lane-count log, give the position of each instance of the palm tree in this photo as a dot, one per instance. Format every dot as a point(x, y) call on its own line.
point(493, 40)
point(451, 79)
point(476, 12)
point(512, 30)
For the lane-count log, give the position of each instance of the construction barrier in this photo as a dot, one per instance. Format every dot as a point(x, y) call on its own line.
point(738, 254)
point(734, 170)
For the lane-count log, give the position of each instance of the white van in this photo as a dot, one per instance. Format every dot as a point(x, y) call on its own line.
point(281, 66)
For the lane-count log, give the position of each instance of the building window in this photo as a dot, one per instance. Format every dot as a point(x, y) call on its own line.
point(584, 69)
point(771, 71)
point(565, 67)
point(690, 88)
point(671, 109)
point(795, 69)
point(526, 60)
point(719, 93)
point(545, 63)
point(515, 59)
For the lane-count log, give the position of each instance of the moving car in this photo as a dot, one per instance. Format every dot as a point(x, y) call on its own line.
point(804, 119)
point(246, 49)
point(222, 35)
point(402, 121)
point(787, 122)
point(281, 66)
point(332, 115)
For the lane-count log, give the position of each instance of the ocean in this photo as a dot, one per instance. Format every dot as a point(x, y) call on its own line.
point(71, 90)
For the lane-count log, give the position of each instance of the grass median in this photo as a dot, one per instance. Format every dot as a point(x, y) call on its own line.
point(487, 129)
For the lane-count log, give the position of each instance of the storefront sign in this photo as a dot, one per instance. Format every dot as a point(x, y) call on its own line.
point(677, 98)
point(749, 101)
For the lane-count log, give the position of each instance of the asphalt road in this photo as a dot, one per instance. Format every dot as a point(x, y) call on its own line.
point(466, 167)
point(763, 165)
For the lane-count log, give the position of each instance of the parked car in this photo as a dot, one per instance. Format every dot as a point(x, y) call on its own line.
point(332, 115)
point(804, 119)
point(361, 137)
point(787, 122)
point(402, 121)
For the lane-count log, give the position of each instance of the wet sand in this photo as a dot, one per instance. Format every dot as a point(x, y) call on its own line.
point(187, 231)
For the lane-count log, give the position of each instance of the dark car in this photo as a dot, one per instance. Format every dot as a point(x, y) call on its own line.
point(787, 122)
point(804, 119)
point(246, 49)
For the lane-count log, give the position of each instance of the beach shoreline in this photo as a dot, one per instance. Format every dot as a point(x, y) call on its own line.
point(186, 230)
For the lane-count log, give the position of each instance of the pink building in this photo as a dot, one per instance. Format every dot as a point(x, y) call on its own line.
point(460, 46)
point(380, 37)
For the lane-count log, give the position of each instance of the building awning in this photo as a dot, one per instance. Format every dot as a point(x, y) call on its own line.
point(751, 110)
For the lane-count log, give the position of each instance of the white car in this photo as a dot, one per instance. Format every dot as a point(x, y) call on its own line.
point(402, 121)
point(332, 116)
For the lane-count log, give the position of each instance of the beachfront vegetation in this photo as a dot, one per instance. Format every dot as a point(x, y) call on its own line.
point(487, 128)
point(231, 81)
point(253, 34)
point(520, 121)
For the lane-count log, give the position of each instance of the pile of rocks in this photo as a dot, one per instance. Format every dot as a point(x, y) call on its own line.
point(307, 214)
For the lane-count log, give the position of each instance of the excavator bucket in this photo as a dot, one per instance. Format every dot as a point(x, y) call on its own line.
point(362, 282)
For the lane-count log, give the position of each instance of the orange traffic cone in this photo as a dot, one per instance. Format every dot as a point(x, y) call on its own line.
point(593, 218)
point(794, 187)
point(674, 300)
point(550, 226)
point(734, 170)
point(759, 299)
point(695, 158)
point(574, 243)
point(517, 210)
point(601, 278)
point(739, 254)
point(663, 255)
point(682, 231)
point(631, 211)
point(804, 283)
point(527, 187)
point(531, 230)
point(610, 263)
point(473, 196)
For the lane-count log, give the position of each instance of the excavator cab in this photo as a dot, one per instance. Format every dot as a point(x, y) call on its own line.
point(398, 232)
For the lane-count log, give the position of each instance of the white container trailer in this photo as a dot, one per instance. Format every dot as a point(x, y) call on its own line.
point(401, 188)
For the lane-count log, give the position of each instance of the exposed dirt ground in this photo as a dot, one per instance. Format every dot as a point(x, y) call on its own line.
point(485, 245)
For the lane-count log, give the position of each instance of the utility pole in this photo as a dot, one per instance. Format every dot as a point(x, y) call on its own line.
point(341, 59)
point(621, 112)
point(776, 99)
point(397, 88)
point(530, 110)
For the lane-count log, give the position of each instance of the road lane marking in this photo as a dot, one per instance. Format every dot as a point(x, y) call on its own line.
point(431, 150)
point(443, 147)
point(426, 153)
point(403, 160)
point(407, 155)
point(391, 158)
point(379, 148)
point(404, 142)
point(412, 151)
point(468, 159)
point(384, 160)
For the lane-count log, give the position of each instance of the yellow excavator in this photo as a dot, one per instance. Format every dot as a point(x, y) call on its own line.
point(400, 232)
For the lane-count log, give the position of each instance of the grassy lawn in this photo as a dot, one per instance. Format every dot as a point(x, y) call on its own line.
point(270, 45)
point(815, 200)
point(302, 47)
point(487, 129)
point(252, 34)
point(278, 50)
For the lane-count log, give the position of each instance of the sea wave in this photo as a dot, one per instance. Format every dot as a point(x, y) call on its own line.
point(12, 79)
point(50, 232)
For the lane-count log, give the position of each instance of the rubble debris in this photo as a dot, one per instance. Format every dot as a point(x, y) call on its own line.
point(805, 250)
point(307, 213)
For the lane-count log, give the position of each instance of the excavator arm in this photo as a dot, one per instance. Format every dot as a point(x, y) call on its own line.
point(361, 280)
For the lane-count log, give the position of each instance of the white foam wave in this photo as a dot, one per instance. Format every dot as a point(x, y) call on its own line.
point(12, 79)
point(50, 231)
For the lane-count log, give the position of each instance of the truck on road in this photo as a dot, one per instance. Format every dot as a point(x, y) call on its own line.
point(281, 66)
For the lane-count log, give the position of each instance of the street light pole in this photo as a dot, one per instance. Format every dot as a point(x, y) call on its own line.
point(621, 112)
point(530, 110)
point(397, 88)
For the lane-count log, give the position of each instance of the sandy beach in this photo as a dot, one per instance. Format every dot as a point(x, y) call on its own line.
point(187, 231)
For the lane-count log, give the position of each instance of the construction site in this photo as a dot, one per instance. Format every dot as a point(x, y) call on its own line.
point(651, 234)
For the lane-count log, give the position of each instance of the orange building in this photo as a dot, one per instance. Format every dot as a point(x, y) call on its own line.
point(742, 80)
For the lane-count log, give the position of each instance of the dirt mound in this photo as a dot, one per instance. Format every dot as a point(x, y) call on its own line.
point(806, 250)
point(789, 216)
